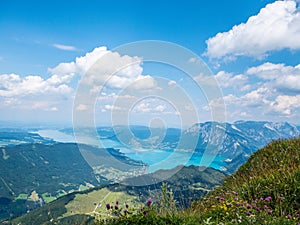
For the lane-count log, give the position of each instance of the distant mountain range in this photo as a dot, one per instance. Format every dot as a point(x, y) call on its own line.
point(234, 142)
point(237, 141)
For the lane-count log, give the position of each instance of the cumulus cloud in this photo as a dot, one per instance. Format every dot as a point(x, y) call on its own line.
point(286, 104)
point(275, 27)
point(273, 92)
point(102, 66)
point(12, 85)
point(286, 79)
point(81, 64)
point(34, 92)
point(226, 79)
point(147, 107)
point(172, 83)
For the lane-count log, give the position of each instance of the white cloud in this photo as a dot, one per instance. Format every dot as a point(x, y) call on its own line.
point(55, 93)
point(65, 47)
point(117, 70)
point(275, 27)
point(172, 83)
point(270, 71)
point(81, 64)
point(112, 107)
point(82, 107)
point(286, 104)
point(285, 79)
point(12, 85)
point(147, 107)
point(230, 80)
point(34, 92)
point(224, 79)
point(144, 82)
point(273, 93)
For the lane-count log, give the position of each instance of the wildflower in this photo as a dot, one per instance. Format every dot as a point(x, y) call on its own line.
point(235, 199)
point(234, 192)
point(116, 207)
point(289, 216)
point(125, 211)
point(127, 206)
point(146, 214)
point(261, 199)
point(265, 207)
point(249, 206)
point(268, 198)
point(248, 213)
point(229, 205)
point(269, 211)
point(107, 206)
point(149, 202)
point(279, 198)
point(117, 203)
point(222, 199)
point(283, 213)
point(298, 215)
point(257, 209)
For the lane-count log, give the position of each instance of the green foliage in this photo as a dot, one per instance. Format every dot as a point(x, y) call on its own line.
point(46, 213)
point(167, 204)
point(266, 190)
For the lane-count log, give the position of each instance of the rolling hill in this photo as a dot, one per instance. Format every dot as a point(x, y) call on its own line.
point(188, 184)
point(34, 174)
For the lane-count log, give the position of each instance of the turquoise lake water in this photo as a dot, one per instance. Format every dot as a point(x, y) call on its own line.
point(155, 158)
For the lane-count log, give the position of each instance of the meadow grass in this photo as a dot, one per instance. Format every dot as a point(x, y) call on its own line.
point(265, 190)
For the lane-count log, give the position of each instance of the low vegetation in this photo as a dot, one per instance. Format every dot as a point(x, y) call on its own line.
point(265, 190)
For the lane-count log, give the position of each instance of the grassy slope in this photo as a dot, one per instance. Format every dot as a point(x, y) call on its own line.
point(189, 183)
point(265, 190)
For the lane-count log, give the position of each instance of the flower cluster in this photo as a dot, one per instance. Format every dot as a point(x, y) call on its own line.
point(118, 210)
point(237, 209)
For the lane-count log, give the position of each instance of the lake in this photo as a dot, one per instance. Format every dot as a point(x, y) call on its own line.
point(155, 158)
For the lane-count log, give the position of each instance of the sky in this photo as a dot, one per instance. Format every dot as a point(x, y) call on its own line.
point(49, 50)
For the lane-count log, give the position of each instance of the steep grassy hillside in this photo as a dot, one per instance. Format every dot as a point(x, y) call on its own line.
point(265, 190)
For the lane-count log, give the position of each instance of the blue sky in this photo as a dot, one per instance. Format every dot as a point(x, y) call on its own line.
point(252, 48)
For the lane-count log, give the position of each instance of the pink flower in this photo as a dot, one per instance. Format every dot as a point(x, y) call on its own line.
point(149, 202)
point(268, 198)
